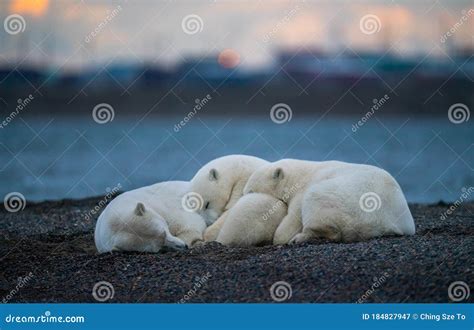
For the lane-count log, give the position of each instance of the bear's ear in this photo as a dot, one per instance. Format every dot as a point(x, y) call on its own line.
point(213, 175)
point(278, 174)
point(140, 209)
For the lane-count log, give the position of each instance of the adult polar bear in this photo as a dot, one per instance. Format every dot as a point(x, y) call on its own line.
point(145, 219)
point(335, 200)
point(219, 184)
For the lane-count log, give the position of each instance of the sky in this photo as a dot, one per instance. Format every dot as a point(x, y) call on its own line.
point(72, 34)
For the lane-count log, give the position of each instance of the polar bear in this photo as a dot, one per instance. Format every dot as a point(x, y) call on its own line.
point(133, 227)
point(220, 184)
point(252, 220)
point(335, 200)
point(163, 200)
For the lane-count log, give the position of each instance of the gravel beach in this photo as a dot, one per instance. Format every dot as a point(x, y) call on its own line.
point(47, 254)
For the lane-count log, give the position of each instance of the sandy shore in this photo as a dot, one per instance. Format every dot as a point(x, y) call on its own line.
point(50, 247)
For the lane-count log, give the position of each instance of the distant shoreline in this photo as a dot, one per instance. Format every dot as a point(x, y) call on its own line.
point(340, 96)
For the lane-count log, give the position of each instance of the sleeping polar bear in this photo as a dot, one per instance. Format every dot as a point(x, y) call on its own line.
point(335, 200)
point(220, 184)
point(252, 221)
point(148, 218)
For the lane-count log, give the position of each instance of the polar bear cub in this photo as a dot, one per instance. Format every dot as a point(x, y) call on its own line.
point(133, 228)
point(252, 220)
point(123, 226)
point(220, 184)
point(335, 200)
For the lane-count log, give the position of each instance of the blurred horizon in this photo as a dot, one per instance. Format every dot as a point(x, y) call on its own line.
point(61, 34)
point(80, 53)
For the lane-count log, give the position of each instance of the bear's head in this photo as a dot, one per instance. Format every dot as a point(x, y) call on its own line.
point(220, 183)
point(275, 179)
point(214, 189)
point(150, 228)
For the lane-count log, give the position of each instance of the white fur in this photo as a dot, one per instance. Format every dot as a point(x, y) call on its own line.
point(220, 183)
point(165, 222)
point(252, 221)
point(324, 200)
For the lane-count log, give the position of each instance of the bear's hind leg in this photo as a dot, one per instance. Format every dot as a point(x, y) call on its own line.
point(325, 213)
point(302, 237)
point(288, 228)
point(327, 232)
